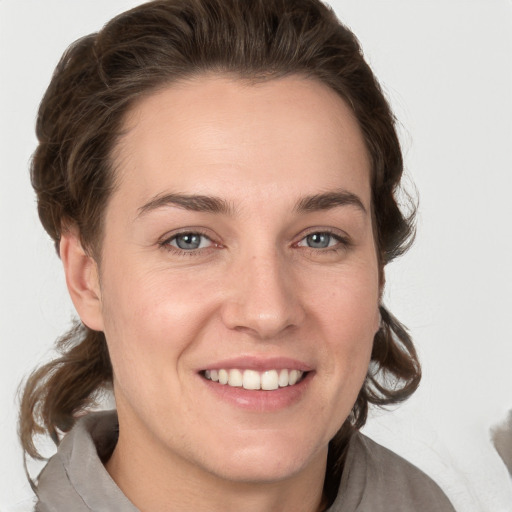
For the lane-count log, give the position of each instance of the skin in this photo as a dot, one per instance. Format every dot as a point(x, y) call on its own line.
point(255, 288)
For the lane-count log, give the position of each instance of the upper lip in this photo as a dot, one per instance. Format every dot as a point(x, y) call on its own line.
point(259, 363)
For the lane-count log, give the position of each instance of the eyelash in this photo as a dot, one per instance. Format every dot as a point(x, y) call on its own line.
point(166, 243)
point(343, 243)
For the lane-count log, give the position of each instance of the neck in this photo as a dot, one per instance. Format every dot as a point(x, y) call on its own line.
point(155, 480)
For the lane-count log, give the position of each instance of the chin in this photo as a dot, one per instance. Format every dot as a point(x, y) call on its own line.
point(266, 462)
point(265, 471)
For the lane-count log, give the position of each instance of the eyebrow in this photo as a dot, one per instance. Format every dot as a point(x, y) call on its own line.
point(212, 204)
point(328, 200)
point(195, 203)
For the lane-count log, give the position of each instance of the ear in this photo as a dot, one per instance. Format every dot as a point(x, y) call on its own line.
point(378, 320)
point(382, 280)
point(82, 279)
point(382, 283)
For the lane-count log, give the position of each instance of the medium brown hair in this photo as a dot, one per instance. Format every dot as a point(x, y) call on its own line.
point(81, 117)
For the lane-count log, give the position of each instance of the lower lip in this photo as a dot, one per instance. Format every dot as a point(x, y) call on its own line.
point(260, 400)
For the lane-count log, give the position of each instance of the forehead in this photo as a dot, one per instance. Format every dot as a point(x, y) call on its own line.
point(220, 135)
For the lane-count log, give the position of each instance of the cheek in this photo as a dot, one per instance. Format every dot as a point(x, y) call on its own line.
point(349, 318)
point(347, 301)
point(151, 318)
point(149, 325)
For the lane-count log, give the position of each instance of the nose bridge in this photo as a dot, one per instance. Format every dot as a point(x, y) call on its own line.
point(263, 297)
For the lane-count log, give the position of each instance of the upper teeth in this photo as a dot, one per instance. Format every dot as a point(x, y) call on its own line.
point(252, 379)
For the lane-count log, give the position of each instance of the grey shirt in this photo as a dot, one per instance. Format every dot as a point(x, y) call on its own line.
point(374, 479)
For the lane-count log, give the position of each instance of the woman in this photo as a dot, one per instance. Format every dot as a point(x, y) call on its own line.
point(218, 178)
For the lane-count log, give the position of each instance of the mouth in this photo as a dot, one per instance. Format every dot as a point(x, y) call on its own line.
point(268, 380)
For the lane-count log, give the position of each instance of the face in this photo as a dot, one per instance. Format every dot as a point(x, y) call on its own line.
point(238, 247)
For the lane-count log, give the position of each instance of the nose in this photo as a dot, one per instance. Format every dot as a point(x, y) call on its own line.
point(262, 297)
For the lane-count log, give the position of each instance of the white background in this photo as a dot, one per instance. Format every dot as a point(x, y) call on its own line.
point(446, 66)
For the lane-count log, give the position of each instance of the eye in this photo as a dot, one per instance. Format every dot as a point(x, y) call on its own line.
point(189, 241)
point(320, 240)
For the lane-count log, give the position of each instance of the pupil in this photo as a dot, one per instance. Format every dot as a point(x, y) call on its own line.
point(188, 241)
point(319, 240)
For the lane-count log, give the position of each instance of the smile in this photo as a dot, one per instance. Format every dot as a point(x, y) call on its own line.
point(267, 380)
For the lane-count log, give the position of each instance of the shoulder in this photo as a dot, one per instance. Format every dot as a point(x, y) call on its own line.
point(377, 479)
point(75, 478)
